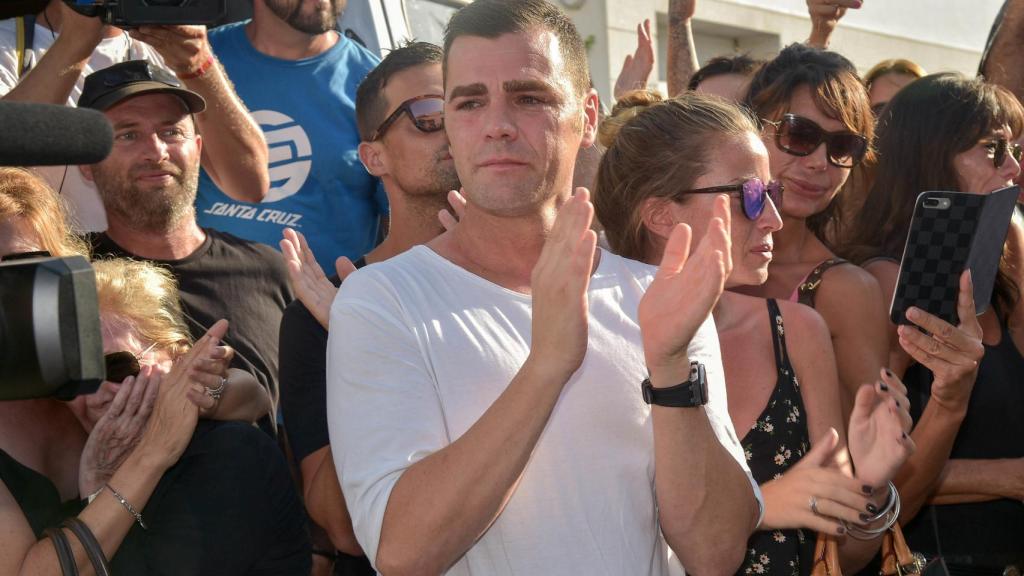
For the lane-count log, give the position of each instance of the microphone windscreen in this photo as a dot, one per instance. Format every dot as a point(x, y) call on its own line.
point(34, 134)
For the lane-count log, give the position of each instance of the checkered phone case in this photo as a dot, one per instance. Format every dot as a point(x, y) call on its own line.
point(938, 245)
point(943, 242)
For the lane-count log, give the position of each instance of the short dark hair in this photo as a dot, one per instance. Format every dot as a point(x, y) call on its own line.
point(493, 18)
point(371, 105)
point(741, 64)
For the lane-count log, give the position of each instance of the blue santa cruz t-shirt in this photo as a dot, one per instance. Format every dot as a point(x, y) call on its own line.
point(306, 109)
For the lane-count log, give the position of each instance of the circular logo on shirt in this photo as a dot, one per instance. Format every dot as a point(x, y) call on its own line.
point(289, 153)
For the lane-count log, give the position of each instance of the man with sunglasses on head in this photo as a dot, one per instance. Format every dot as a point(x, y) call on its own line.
point(399, 109)
point(148, 186)
point(489, 393)
point(298, 76)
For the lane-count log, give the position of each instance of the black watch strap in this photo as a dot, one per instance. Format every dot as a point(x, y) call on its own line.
point(689, 394)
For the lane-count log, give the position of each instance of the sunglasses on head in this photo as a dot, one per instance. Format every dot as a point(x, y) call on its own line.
point(426, 113)
point(753, 193)
point(800, 136)
point(998, 148)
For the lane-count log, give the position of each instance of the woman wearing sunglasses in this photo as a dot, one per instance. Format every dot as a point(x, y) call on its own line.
point(817, 125)
point(669, 162)
point(947, 132)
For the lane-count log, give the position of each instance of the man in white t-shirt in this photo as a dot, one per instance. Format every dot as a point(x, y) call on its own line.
point(52, 68)
point(484, 390)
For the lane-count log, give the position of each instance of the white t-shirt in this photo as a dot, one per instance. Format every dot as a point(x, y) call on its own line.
point(85, 206)
point(420, 348)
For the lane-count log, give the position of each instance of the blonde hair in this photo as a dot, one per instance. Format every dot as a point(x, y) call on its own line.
point(25, 196)
point(657, 148)
point(145, 297)
point(892, 66)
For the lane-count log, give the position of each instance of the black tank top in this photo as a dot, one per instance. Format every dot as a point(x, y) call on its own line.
point(777, 440)
point(988, 533)
point(35, 494)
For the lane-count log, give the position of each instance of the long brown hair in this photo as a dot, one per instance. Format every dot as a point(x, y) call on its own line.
point(837, 92)
point(656, 148)
point(925, 126)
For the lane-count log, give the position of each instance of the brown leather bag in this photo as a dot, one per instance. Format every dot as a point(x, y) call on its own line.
point(897, 559)
point(826, 557)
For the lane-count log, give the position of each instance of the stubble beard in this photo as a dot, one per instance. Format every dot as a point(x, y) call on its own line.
point(160, 210)
point(318, 22)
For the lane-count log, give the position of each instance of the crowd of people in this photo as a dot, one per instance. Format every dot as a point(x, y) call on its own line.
point(510, 329)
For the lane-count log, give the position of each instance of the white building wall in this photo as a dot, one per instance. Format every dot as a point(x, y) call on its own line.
point(938, 34)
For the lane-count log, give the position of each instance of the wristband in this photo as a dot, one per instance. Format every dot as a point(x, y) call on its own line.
point(198, 72)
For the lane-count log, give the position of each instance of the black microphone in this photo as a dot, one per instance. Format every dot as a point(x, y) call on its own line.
point(34, 134)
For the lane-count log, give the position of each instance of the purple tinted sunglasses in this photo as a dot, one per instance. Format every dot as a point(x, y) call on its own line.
point(754, 193)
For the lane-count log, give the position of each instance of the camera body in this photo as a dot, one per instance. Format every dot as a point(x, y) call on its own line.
point(133, 13)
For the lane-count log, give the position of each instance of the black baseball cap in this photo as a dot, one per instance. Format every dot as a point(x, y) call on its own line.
point(106, 87)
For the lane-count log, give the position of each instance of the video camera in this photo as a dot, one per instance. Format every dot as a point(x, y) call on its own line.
point(50, 339)
point(132, 13)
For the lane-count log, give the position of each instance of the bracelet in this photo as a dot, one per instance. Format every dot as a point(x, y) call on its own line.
point(892, 510)
point(127, 506)
point(198, 72)
point(891, 500)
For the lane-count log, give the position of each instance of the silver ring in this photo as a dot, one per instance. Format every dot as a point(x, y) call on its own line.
point(814, 505)
point(217, 392)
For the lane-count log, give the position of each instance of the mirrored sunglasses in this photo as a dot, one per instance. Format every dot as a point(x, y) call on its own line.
point(998, 148)
point(800, 136)
point(753, 194)
point(426, 113)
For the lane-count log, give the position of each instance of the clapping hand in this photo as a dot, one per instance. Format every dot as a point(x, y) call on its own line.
point(308, 280)
point(878, 430)
point(683, 293)
point(458, 203)
point(636, 70)
point(118, 431)
point(559, 284)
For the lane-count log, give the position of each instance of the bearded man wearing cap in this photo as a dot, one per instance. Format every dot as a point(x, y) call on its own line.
point(148, 187)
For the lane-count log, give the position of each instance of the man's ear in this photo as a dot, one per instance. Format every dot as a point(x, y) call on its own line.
point(591, 105)
point(374, 158)
point(656, 215)
point(86, 170)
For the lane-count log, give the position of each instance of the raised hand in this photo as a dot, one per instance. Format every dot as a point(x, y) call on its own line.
point(684, 291)
point(308, 280)
point(878, 431)
point(815, 493)
point(458, 203)
point(185, 49)
point(559, 284)
point(174, 415)
point(952, 353)
point(825, 16)
point(636, 70)
point(117, 432)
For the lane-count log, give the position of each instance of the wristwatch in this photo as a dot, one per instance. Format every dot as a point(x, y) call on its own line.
point(689, 394)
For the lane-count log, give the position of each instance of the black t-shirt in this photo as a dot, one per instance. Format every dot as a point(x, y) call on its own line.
point(227, 277)
point(304, 396)
point(227, 507)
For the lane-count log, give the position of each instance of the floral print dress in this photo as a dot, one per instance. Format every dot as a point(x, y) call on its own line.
point(777, 440)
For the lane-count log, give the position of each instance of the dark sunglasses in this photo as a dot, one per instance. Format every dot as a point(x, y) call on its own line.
point(998, 148)
point(24, 255)
point(121, 365)
point(753, 191)
point(426, 113)
point(800, 136)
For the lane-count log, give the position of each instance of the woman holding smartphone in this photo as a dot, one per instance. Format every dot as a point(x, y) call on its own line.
point(671, 162)
point(947, 132)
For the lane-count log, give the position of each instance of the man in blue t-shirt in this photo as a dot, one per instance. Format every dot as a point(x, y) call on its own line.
point(298, 77)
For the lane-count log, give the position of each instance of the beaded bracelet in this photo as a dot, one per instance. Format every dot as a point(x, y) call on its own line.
point(128, 506)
